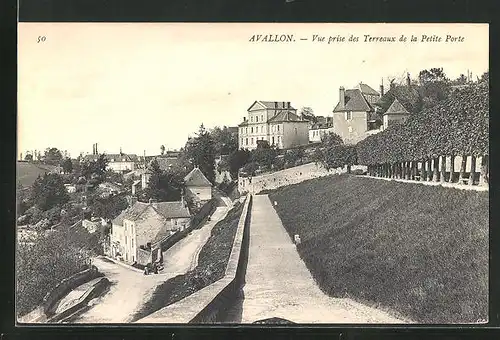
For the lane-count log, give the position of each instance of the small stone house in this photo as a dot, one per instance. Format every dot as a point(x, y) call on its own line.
point(198, 187)
point(354, 115)
point(139, 229)
point(396, 113)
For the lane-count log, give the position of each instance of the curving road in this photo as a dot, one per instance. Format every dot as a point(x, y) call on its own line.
point(130, 289)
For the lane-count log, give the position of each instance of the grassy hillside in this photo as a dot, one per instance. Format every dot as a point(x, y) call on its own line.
point(421, 251)
point(27, 173)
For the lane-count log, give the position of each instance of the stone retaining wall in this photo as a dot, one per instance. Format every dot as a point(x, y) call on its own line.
point(211, 303)
point(96, 290)
point(285, 177)
point(65, 286)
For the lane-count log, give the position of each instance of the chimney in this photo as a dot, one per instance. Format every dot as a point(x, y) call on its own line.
point(244, 119)
point(392, 85)
point(121, 153)
point(96, 152)
point(276, 105)
point(133, 200)
point(382, 88)
point(287, 105)
point(342, 97)
point(408, 80)
point(284, 105)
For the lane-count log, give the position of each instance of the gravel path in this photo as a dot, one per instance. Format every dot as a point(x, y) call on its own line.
point(278, 283)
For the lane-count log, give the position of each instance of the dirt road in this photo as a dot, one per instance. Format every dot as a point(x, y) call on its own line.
point(130, 289)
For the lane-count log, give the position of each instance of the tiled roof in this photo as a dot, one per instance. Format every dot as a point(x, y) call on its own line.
point(172, 209)
point(166, 210)
point(286, 116)
point(396, 108)
point(166, 163)
point(354, 101)
point(365, 89)
point(408, 96)
point(196, 178)
point(272, 105)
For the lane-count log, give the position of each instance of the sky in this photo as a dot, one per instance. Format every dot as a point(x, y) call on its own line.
point(137, 86)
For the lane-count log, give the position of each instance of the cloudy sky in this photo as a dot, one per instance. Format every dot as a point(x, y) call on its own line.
point(138, 86)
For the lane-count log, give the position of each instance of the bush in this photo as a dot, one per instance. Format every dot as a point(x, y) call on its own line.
point(42, 265)
point(421, 251)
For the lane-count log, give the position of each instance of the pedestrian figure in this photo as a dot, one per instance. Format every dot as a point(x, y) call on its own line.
point(275, 203)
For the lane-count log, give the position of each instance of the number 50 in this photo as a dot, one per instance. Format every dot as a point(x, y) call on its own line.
point(41, 39)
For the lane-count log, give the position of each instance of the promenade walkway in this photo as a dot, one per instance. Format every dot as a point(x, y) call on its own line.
point(278, 283)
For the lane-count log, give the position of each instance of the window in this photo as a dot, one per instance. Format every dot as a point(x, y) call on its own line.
point(246, 130)
point(262, 117)
point(251, 118)
point(251, 141)
point(251, 130)
point(348, 115)
point(246, 141)
point(278, 127)
point(261, 129)
point(273, 140)
point(257, 119)
point(125, 240)
point(295, 130)
point(242, 141)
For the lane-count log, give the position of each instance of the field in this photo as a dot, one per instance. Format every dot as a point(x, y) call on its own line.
point(27, 173)
point(212, 263)
point(418, 251)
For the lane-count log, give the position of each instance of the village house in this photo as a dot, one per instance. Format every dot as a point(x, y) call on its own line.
point(274, 122)
point(138, 230)
point(321, 126)
point(354, 115)
point(398, 103)
point(198, 187)
point(120, 162)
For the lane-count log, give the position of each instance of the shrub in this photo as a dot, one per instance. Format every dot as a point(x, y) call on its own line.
point(41, 265)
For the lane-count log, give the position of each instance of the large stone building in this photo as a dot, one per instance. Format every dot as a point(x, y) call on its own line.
point(136, 232)
point(274, 122)
point(198, 187)
point(354, 115)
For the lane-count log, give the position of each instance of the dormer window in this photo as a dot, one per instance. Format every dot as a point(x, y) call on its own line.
point(257, 119)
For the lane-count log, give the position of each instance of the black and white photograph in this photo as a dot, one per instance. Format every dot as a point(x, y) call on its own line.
point(252, 173)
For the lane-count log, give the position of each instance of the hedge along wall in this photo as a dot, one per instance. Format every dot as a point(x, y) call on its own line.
point(420, 148)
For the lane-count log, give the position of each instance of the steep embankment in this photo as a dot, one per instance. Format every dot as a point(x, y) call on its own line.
point(418, 250)
point(27, 173)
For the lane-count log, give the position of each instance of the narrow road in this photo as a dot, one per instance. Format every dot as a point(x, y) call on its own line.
point(130, 289)
point(278, 283)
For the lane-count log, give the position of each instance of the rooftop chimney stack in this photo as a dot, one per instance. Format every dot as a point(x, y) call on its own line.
point(408, 80)
point(342, 96)
point(382, 88)
point(287, 105)
point(276, 105)
point(96, 152)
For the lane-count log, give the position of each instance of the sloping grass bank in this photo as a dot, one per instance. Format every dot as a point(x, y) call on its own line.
point(212, 263)
point(418, 250)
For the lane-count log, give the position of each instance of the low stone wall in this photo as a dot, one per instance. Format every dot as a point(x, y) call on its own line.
point(96, 290)
point(210, 304)
point(285, 177)
point(65, 286)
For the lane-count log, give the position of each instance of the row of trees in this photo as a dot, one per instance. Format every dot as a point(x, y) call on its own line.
point(458, 126)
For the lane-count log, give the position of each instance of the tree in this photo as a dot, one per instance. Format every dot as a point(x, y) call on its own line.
point(28, 157)
point(163, 186)
point(67, 165)
point(462, 80)
point(225, 141)
point(308, 114)
point(264, 156)
point(109, 207)
point(49, 191)
point(52, 156)
point(201, 151)
point(330, 139)
point(237, 159)
point(162, 148)
point(485, 77)
point(95, 169)
point(434, 87)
